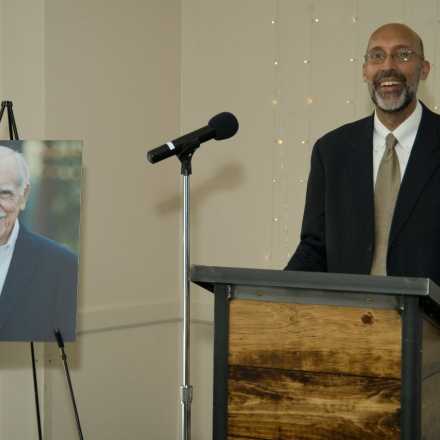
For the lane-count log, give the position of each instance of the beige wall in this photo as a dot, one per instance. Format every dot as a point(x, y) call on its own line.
point(125, 76)
point(107, 72)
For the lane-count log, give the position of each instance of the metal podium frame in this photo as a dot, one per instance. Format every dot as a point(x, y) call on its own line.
point(413, 297)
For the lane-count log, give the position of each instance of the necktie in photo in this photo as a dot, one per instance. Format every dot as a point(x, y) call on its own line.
point(385, 196)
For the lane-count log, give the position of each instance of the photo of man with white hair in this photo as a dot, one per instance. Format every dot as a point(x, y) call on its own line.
point(38, 276)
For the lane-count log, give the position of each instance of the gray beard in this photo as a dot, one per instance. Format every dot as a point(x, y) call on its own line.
point(395, 105)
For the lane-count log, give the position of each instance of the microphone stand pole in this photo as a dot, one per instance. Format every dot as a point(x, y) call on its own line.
point(186, 390)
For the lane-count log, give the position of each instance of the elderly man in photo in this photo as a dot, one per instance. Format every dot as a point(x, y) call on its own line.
point(373, 195)
point(38, 277)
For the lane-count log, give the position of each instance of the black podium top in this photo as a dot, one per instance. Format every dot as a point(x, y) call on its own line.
point(270, 282)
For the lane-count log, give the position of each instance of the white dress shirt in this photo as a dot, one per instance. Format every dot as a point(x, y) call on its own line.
point(6, 252)
point(405, 134)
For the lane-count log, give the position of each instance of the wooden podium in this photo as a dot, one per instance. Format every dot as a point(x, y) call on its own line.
point(314, 356)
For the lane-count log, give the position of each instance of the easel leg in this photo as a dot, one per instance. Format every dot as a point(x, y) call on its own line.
point(37, 400)
point(60, 342)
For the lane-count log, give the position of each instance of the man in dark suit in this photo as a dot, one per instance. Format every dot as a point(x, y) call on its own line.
point(38, 277)
point(373, 195)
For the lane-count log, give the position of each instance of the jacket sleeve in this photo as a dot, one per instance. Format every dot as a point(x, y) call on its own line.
point(310, 254)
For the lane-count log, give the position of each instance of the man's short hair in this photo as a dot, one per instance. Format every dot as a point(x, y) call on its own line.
point(22, 166)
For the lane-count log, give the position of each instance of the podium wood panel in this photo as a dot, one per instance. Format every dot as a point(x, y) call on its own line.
point(308, 372)
point(316, 338)
point(430, 381)
point(279, 404)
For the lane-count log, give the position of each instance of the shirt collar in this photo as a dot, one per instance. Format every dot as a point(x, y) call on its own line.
point(10, 244)
point(405, 133)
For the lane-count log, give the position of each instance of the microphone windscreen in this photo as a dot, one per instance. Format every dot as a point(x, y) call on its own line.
point(225, 125)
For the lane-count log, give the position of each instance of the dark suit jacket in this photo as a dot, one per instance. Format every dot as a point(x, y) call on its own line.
point(338, 226)
point(40, 291)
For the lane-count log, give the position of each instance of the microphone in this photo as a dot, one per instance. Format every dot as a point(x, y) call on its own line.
point(221, 126)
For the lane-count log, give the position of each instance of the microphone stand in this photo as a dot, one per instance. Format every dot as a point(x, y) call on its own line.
point(186, 390)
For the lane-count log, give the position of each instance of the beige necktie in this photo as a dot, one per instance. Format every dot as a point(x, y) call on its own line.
point(385, 195)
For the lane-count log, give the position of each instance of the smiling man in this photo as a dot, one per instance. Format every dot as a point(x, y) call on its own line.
point(38, 277)
point(373, 204)
point(394, 65)
point(14, 189)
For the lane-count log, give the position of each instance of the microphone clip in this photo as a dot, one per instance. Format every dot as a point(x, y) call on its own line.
point(185, 156)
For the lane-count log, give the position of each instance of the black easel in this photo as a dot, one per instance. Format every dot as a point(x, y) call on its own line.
point(13, 135)
point(60, 342)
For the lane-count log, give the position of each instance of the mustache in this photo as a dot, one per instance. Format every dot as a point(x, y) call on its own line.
point(391, 73)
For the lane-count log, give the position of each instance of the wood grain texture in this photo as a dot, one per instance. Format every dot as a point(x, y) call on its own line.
point(315, 338)
point(285, 405)
point(430, 381)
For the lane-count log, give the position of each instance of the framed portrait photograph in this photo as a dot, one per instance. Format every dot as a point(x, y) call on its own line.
point(40, 204)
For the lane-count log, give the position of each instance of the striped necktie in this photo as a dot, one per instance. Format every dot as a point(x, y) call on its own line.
point(385, 196)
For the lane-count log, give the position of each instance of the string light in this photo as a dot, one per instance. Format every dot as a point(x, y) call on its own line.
point(355, 47)
point(281, 181)
point(277, 153)
point(277, 104)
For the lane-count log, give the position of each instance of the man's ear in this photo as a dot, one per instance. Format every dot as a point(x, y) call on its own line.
point(24, 197)
point(426, 67)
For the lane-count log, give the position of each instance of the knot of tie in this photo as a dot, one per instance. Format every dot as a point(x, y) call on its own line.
point(390, 142)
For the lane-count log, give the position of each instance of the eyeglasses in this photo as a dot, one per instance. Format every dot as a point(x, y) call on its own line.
point(400, 56)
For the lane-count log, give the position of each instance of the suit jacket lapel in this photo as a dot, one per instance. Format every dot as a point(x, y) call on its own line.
point(423, 161)
point(362, 178)
point(18, 279)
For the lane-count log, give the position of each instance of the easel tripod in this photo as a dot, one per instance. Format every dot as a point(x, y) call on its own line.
point(13, 135)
